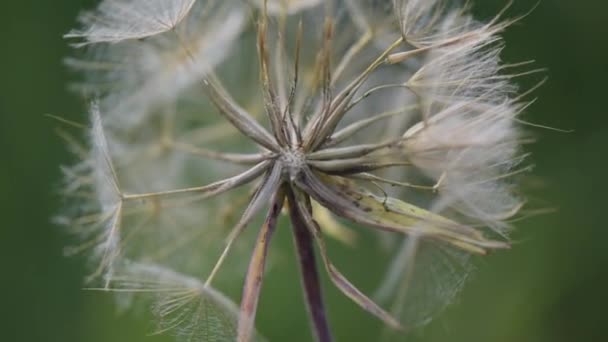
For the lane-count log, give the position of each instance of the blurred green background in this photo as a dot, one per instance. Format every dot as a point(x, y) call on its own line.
point(553, 285)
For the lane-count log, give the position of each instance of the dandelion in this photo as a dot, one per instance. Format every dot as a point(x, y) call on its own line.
point(395, 116)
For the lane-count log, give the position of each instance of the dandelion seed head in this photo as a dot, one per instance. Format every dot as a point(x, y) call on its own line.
point(293, 162)
point(398, 116)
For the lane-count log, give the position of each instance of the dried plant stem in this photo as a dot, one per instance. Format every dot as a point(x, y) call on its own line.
point(302, 214)
point(255, 273)
point(310, 275)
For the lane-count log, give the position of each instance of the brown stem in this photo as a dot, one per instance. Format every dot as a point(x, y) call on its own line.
point(255, 273)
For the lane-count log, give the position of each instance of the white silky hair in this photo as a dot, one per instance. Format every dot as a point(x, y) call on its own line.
point(117, 20)
point(100, 164)
point(155, 71)
point(421, 21)
point(467, 138)
point(182, 304)
point(466, 141)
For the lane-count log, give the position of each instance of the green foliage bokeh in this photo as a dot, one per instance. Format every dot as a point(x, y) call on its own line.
point(550, 287)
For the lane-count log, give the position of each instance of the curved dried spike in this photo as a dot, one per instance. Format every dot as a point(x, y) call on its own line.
point(315, 124)
point(265, 192)
point(239, 118)
point(347, 152)
point(332, 227)
point(391, 214)
point(271, 99)
point(300, 214)
point(373, 178)
point(310, 276)
point(212, 189)
point(321, 126)
point(355, 127)
point(237, 158)
point(354, 165)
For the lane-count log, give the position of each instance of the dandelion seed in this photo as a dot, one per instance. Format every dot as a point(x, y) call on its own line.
point(143, 74)
point(396, 116)
point(118, 20)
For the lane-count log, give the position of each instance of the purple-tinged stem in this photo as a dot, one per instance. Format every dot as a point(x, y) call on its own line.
point(310, 275)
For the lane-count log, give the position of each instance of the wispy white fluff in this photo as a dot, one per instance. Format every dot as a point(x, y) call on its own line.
point(143, 76)
point(467, 70)
point(153, 229)
point(96, 175)
point(467, 150)
point(104, 173)
point(184, 306)
point(432, 23)
point(421, 21)
point(466, 142)
point(461, 127)
point(467, 139)
point(423, 278)
point(117, 20)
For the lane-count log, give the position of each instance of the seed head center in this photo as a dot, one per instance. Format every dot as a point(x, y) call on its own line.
point(293, 161)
